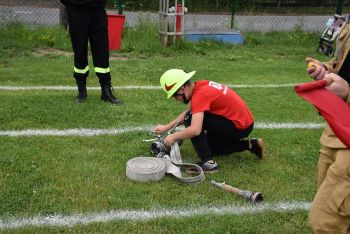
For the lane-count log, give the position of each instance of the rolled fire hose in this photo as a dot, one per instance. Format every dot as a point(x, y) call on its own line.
point(145, 169)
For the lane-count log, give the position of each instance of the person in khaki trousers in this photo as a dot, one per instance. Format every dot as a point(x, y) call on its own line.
point(330, 210)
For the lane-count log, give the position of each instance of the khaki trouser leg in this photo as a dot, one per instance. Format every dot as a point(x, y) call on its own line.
point(327, 158)
point(330, 210)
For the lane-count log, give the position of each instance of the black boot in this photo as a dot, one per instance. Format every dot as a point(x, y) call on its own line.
point(257, 147)
point(107, 95)
point(82, 92)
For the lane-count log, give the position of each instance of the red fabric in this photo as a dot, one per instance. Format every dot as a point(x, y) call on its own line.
point(209, 96)
point(331, 107)
point(310, 85)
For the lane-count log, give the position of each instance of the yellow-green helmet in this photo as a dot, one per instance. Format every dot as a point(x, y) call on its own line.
point(173, 79)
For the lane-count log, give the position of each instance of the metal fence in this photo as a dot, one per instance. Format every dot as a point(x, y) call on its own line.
point(47, 12)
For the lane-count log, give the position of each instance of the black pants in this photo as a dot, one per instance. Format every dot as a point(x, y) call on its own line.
point(219, 136)
point(88, 24)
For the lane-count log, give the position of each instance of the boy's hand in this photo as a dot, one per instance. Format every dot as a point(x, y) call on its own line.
point(160, 129)
point(169, 140)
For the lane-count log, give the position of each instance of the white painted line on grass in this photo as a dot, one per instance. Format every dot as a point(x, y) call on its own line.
point(58, 220)
point(115, 131)
point(73, 132)
point(288, 125)
point(63, 88)
point(263, 86)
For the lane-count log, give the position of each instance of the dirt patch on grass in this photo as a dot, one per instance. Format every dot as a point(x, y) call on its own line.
point(55, 52)
point(50, 52)
point(113, 57)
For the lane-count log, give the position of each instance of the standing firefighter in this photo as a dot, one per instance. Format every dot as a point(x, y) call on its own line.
point(330, 210)
point(217, 119)
point(87, 21)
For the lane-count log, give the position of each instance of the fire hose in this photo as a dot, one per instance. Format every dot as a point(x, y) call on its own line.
point(144, 169)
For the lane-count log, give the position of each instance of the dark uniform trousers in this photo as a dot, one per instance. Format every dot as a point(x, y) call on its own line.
point(219, 136)
point(88, 24)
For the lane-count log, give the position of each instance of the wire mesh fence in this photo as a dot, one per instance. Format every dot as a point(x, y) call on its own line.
point(250, 15)
point(30, 12)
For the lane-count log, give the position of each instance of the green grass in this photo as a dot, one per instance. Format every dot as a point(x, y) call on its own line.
point(148, 108)
point(67, 175)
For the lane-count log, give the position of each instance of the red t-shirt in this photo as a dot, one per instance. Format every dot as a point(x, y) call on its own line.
point(209, 96)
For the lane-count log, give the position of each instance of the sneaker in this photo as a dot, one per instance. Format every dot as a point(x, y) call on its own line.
point(209, 166)
point(257, 147)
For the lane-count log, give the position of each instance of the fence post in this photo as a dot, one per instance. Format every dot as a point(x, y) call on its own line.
point(63, 15)
point(120, 7)
point(340, 5)
point(234, 4)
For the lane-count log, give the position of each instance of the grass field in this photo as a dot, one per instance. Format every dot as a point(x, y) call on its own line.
point(77, 183)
